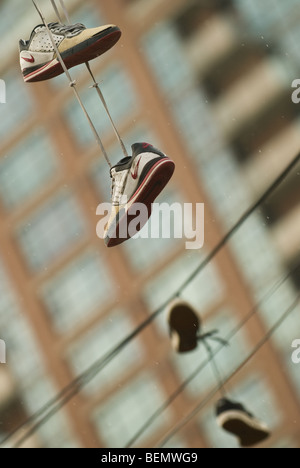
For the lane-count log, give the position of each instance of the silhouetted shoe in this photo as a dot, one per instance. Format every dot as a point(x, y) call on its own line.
point(184, 324)
point(234, 418)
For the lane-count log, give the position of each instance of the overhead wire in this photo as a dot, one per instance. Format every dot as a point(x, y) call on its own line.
point(95, 85)
point(73, 85)
point(75, 386)
point(215, 352)
point(216, 390)
point(79, 382)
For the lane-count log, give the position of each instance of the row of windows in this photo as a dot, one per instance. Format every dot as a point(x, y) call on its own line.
point(218, 171)
point(26, 364)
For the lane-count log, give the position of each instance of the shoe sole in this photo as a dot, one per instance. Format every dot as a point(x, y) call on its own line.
point(244, 429)
point(153, 184)
point(82, 53)
point(184, 324)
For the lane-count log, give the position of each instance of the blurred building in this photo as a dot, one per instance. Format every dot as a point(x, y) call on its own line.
point(209, 82)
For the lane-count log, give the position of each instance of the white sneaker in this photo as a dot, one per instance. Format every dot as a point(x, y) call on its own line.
point(136, 180)
point(76, 44)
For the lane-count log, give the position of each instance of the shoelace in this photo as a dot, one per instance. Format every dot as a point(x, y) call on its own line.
point(117, 188)
point(72, 29)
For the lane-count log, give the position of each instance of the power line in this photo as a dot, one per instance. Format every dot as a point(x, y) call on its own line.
point(95, 85)
point(204, 364)
point(214, 392)
point(73, 84)
point(75, 386)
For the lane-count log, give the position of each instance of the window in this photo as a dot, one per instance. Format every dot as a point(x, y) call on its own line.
point(24, 358)
point(120, 95)
point(265, 16)
point(78, 292)
point(26, 364)
point(11, 12)
point(26, 169)
point(221, 177)
point(166, 56)
point(51, 231)
point(257, 397)
point(226, 360)
point(242, 60)
point(144, 253)
point(56, 433)
point(195, 14)
point(273, 119)
point(285, 199)
point(90, 15)
point(174, 74)
point(289, 46)
point(100, 340)
point(12, 114)
point(126, 411)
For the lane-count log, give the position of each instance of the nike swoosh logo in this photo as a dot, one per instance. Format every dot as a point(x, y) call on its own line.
point(135, 173)
point(29, 60)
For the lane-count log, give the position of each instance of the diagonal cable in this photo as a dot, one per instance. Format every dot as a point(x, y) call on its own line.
point(73, 85)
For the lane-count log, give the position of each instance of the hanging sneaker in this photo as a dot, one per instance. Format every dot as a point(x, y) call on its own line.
point(138, 179)
point(76, 44)
point(184, 324)
point(234, 418)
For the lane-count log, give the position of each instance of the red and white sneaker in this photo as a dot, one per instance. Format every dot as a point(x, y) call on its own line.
point(76, 44)
point(137, 180)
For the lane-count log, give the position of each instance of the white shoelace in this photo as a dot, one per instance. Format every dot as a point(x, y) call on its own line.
point(118, 186)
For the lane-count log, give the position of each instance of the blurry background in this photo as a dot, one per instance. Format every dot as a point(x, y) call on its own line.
point(208, 82)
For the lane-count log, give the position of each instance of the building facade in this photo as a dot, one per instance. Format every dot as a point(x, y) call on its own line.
point(208, 82)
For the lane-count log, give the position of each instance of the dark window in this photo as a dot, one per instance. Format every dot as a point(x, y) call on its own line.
point(231, 68)
point(265, 126)
point(284, 199)
point(196, 13)
point(294, 267)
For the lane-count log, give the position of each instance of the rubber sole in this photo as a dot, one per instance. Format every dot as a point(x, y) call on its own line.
point(152, 186)
point(82, 53)
point(248, 435)
point(184, 324)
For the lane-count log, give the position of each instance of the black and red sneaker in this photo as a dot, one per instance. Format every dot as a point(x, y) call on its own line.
point(136, 183)
point(76, 44)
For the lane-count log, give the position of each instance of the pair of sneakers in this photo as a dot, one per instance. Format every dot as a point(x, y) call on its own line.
point(185, 324)
point(138, 179)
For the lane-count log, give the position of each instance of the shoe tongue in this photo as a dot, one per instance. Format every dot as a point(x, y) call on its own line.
point(138, 148)
point(120, 165)
point(39, 26)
